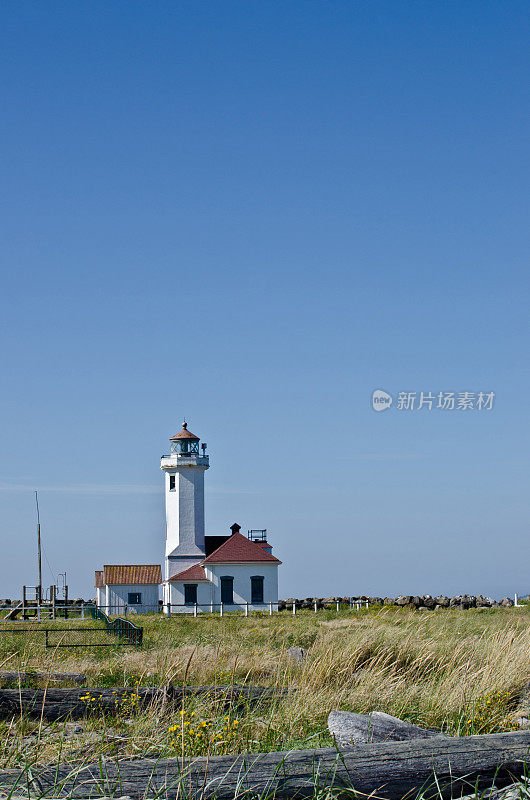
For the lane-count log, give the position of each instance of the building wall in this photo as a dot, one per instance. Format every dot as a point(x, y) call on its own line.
point(116, 598)
point(176, 564)
point(242, 574)
point(185, 515)
point(208, 593)
point(175, 591)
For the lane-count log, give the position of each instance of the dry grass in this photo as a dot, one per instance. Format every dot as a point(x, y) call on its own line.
point(461, 670)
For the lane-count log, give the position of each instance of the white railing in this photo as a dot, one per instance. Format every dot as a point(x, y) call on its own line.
point(123, 609)
point(197, 609)
point(221, 608)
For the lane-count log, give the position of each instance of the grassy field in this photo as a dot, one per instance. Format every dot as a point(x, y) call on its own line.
point(463, 671)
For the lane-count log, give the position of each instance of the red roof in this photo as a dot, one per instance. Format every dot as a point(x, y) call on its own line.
point(238, 549)
point(185, 434)
point(99, 579)
point(116, 574)
point(194, 573)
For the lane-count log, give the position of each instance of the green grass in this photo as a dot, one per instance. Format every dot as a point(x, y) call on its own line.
point(463, 671)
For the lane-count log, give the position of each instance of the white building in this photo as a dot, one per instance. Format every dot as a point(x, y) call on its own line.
point(208, 570)
point(201, 572)
point(128, 587)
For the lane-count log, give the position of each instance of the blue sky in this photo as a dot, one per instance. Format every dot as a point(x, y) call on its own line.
point(253, 215)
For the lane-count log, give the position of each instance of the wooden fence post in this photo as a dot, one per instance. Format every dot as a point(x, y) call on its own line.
point(315, 604)
point(294, 609)
point(270, 609)
point(221, 610)
point(195, 610)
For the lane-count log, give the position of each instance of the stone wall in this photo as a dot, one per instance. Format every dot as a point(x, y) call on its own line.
point(422, 603)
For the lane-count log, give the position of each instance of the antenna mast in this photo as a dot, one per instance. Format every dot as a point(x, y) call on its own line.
point(39, 588)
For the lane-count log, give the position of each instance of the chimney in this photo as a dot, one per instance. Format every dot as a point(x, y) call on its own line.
point(235, 528)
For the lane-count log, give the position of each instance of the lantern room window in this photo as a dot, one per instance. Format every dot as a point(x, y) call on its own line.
point(185, 447)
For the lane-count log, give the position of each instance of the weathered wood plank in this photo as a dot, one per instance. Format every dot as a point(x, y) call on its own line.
point(391, 771)
point(55, 704)
point(29, 675)
point(14, 612)
point(349, 728)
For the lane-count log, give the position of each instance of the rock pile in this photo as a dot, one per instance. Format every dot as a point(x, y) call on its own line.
point(421, 603)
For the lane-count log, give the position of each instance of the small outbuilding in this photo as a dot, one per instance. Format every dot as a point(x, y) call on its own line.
point(128, 587)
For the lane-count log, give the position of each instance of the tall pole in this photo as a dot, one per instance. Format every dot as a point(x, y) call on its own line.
point(39, 588)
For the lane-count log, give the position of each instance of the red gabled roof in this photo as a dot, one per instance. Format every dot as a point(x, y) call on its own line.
point(194, 573)
point(116, 574)
point(185, 434)
point(99, 579)
point(240, 549)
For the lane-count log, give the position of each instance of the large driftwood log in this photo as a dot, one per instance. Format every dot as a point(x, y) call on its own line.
point(349, 728)
point(389, 771)
point(29, 675)
point(55, 704)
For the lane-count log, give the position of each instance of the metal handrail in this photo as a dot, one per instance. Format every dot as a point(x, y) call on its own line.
point(119, 627)
point(185, 455)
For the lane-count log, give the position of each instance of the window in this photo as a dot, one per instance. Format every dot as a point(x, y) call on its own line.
point(256, 589)
point(185, 448)
point(171, 483)
point(190, 594)
point(227, 590)
point(135, 598)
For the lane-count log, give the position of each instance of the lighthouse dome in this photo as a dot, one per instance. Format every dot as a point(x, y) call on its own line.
point(185, 442)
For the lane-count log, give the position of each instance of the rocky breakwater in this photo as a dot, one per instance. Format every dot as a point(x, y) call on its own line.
point(415, 602)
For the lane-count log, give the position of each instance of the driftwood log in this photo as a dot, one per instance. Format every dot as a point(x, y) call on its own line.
point(55, 704)
point(389, 770)
point(28, 675)
point(349, 728)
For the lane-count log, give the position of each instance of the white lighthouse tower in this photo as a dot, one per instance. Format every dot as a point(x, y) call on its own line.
point(184, 468)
